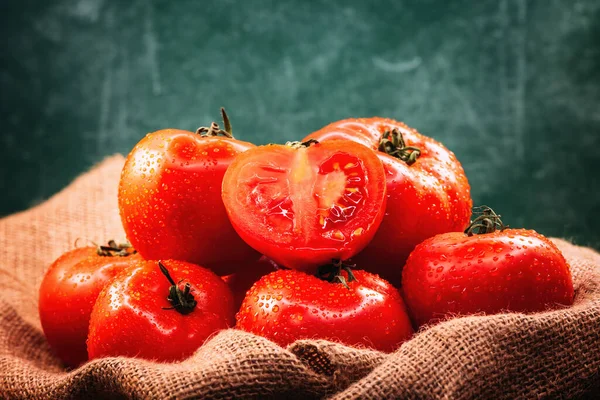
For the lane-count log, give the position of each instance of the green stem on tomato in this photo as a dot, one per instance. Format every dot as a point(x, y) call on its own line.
point(214, 130)
point(392, 143)
point(486, 222)
point(182, 301)
point(333, 272)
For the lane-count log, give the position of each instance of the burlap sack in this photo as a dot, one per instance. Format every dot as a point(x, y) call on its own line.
point(549, 355)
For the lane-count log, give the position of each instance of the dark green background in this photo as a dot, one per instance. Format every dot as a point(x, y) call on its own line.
point(512, 87)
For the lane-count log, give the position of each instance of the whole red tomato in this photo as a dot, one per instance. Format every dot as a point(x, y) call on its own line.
point(68, 293)
point(427, 190)
point(288, 305)
point(242, 281)
point(304, 204)
point(495, 270)
point(160, 310)
point(170, 198)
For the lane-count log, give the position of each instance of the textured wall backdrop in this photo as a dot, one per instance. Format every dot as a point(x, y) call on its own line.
point(511, 86)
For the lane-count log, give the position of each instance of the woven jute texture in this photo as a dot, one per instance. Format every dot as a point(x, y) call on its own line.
point(554, 354)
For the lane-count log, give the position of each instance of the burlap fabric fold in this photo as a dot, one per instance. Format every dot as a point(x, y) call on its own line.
point(548, 355)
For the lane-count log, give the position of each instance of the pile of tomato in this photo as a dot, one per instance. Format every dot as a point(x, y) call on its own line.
point(359, 233)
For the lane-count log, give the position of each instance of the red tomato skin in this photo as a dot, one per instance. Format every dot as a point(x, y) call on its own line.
point(288, 305)
point(170, 200)
point(130, 316)
point(304, 248)
point(429, 197)
point(67, 295)
point(242, 281)
point(510, 270)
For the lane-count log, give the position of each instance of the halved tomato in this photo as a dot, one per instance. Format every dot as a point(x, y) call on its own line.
point(304, 204)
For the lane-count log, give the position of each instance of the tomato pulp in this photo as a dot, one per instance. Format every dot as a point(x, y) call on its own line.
point(303, 205)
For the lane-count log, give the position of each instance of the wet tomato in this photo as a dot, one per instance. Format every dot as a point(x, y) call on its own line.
point(303, 205)
point(488, 270)
point(170, 198)
point(242, 281)
point(160, 311)
point(68, 293)
point(288, 305)
point(427, 189)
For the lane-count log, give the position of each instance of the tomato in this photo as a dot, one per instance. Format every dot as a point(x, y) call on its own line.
point(68, 293)
point(288, 305)
point(498, 270)
point(303, 205)
point(427, 190)
point(161, 311)
point(170, 198)
point(242, 281)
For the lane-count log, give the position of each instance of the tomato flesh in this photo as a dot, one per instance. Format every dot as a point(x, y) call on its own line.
point(303, 206)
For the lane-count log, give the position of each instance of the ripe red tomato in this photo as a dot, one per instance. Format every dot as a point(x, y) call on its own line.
point(242, 281)
point(68, 293)
point(159, 314)
point(288, 305)
point(427, 190)
point(497, 270)
point(170, 199)
point(304, 205)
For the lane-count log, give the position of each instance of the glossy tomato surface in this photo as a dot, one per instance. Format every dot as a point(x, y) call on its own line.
point(170, 200)
point(242, 281)
point(288, 305)
point(132, 315)
point(304, 206)
point(425, 198)
point(67, 295)
point(509, 270)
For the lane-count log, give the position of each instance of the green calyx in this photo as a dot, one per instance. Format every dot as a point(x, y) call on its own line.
point(299, 145)
point(487, 221)
point(333, 272)
point(392, 143)
point(214, 130)
point(181, 301)
point(114, 249)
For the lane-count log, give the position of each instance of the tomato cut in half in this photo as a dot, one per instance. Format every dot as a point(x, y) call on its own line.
point(304, 204)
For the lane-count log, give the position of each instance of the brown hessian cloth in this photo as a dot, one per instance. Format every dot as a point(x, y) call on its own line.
point(555, 354)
